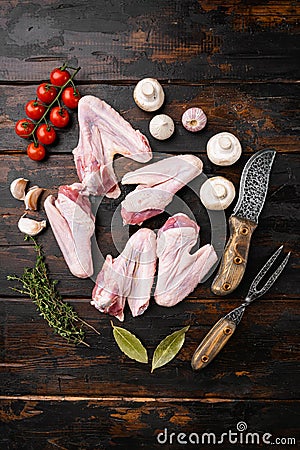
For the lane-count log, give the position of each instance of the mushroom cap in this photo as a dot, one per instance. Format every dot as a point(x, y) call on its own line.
point(148, 94)
point(224, 149)
point(217, 193)
point(161, 126)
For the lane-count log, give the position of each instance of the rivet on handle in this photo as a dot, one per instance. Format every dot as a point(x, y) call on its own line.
point(227, 331)
point(244, 231)
point(237, 260)
point(204, 358)
point(226, 286)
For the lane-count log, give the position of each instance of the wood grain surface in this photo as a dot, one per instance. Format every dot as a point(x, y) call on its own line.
point(237, 60)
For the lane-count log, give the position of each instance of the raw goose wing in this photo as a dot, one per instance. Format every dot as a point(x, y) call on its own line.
point(102, 134)
point(73, 225)
point(179, 272)
point(129, 276)
point(157, 184)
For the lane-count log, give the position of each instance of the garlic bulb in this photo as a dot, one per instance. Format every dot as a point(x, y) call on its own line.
point(17, 188)
point(217, 193)
point(148, 94)
point(161, 127)
point(224, 149)
point(30, 226)
point(32, 197)
point(194, 119)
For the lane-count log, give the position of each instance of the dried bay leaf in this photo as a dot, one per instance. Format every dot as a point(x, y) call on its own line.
point(130, 344)
point(168, 348)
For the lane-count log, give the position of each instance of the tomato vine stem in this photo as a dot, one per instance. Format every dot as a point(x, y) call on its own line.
point(48, 107)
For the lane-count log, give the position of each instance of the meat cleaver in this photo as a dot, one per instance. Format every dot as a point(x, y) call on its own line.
point(243, 221)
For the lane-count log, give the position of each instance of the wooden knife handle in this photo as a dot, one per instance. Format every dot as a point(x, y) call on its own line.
point(213, 342)
point(235, 256)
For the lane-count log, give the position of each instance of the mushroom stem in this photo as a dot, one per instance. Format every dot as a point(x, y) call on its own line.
point(225, 143)
point(147, 89)
point(220, 190)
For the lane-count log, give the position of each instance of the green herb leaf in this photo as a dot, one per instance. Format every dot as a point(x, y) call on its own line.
point(60, 316)
point(130, 344)
point(168, 348)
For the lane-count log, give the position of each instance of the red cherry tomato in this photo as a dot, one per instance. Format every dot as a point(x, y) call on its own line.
point(59, 117)
point(46, 134)
point(24, 128)
point(70, 97)
point(46, 93)
point(59, 76)
point(34, 109)
point(36, 152)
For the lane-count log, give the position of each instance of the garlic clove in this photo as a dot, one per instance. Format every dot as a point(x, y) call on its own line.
point(224, 149)
point(17, 188)
point(32, 197)
point(30, 226)
point(148, 94)
point(217, 193)
point(194, 119)
point(161, 127)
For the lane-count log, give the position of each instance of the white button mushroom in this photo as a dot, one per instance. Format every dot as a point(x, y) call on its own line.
point(217, 193)
point(224, 149)
point(161, 127)
point(148, 94)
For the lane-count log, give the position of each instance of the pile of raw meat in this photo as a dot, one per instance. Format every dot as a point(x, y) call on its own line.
point(130, 276)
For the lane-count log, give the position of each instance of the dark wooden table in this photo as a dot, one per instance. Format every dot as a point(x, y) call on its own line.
point(239, 61)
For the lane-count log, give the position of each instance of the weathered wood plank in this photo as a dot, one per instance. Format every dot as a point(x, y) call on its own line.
point(260, 361)
point(40, 425)
point(188, 40)
point(261, 115)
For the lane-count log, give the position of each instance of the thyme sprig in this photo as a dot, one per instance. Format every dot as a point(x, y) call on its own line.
point(43, 292)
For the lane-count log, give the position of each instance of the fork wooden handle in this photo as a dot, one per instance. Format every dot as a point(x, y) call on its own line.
point(213, 342)
point(234, 261)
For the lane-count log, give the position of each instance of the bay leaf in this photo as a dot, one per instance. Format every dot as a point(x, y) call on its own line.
point(130, 344)
point(168, 348)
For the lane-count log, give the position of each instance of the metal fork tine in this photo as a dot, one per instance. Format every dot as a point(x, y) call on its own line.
point(275, 275)
point(264, 270)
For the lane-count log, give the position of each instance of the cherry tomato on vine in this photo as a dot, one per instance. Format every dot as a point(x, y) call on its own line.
point(70, 97)
point(59, 117)
point(36, 152)
point(59, 76)
point(46, 93)
point(24, 128)
point(46, 134)
point(34, 109)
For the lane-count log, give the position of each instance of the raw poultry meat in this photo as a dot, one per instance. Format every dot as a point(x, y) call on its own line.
point(73, 224)
point(157, 184)
point(102, 134)
point(130, 276)
point(179, 272)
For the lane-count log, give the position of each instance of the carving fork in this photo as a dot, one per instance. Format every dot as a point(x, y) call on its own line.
point(219, 334)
